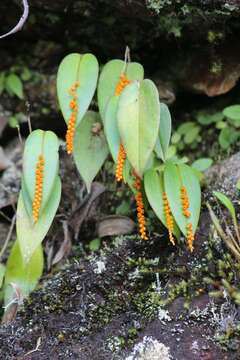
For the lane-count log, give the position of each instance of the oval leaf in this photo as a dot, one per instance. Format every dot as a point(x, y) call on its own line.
point(202, 164)
point(109, 78)
point(14, 84)
point(232, 112)
point(174, 177)
point(82, 68)
point(164, 132)
point(138, 122)
point(29, 234)
point(154, 188)
point(45, 143)
point(24, 276)
point(90, 149)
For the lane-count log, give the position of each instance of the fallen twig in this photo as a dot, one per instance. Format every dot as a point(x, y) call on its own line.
point(21, 22)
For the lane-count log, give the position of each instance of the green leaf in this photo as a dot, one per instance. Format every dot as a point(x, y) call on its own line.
point(111, 127)
point(202, 164)
point(109, 78)
point(165, 129)
point(185, 127)
point(154, 188)
point(95, 244)
point(82, 68)
point(23, 275)
point(221, 125)
point(138, 122)
point(207, 119)
point(2, 273)
point(226, 137)
point(227, 203)
point(29, 234)
point(90, 149)
point(26, 74)
point(14, 83)
point(232, 112)
point(176, 137)
point(44, 143)
point(127, 174)
point(13, 122)
point(191, 135)
point(176, 176)
point(171, 152)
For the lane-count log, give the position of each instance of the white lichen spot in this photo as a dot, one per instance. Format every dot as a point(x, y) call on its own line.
point(195, 346)
point(99, 267)
point(149, 349)
point(98, 263)
point(163, 315)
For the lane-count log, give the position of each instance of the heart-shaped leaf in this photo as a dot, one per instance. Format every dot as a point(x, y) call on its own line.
point(138, 118)
point(90, 147)
point(30, 234)
point(164, 132)
point(109, 78)
point(23, 275)
point(176, 176)
point(82, 68)
point(154, 188)
point(38, 143)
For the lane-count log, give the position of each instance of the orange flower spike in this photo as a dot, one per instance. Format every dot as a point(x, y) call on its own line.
point(73, 117)
point(168, 217)
point(185, 202)
point(122, 83)
point(140, 208)
point(120, 163)
point(190, 237)
point(38, 188)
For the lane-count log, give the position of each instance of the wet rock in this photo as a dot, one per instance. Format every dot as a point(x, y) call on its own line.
point(224, 176)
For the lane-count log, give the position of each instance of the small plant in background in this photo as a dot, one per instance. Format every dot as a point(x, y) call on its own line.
point(136, 129)
point(228, 233)
point(12, 81)
point(226, 124)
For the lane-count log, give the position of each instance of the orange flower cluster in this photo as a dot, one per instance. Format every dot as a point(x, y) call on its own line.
point(187, 214)
point(185, 202)
point(120, 163)
point(140, 208)
point(168, 217)
point(190, 237)
point(73, 117)
point(123, 81)
point(38, 188)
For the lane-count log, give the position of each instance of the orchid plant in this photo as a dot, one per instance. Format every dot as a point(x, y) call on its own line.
point(134, 127)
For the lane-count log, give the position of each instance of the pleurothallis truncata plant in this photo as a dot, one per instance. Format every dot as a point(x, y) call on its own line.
point(136, 129)
point(37, 205)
